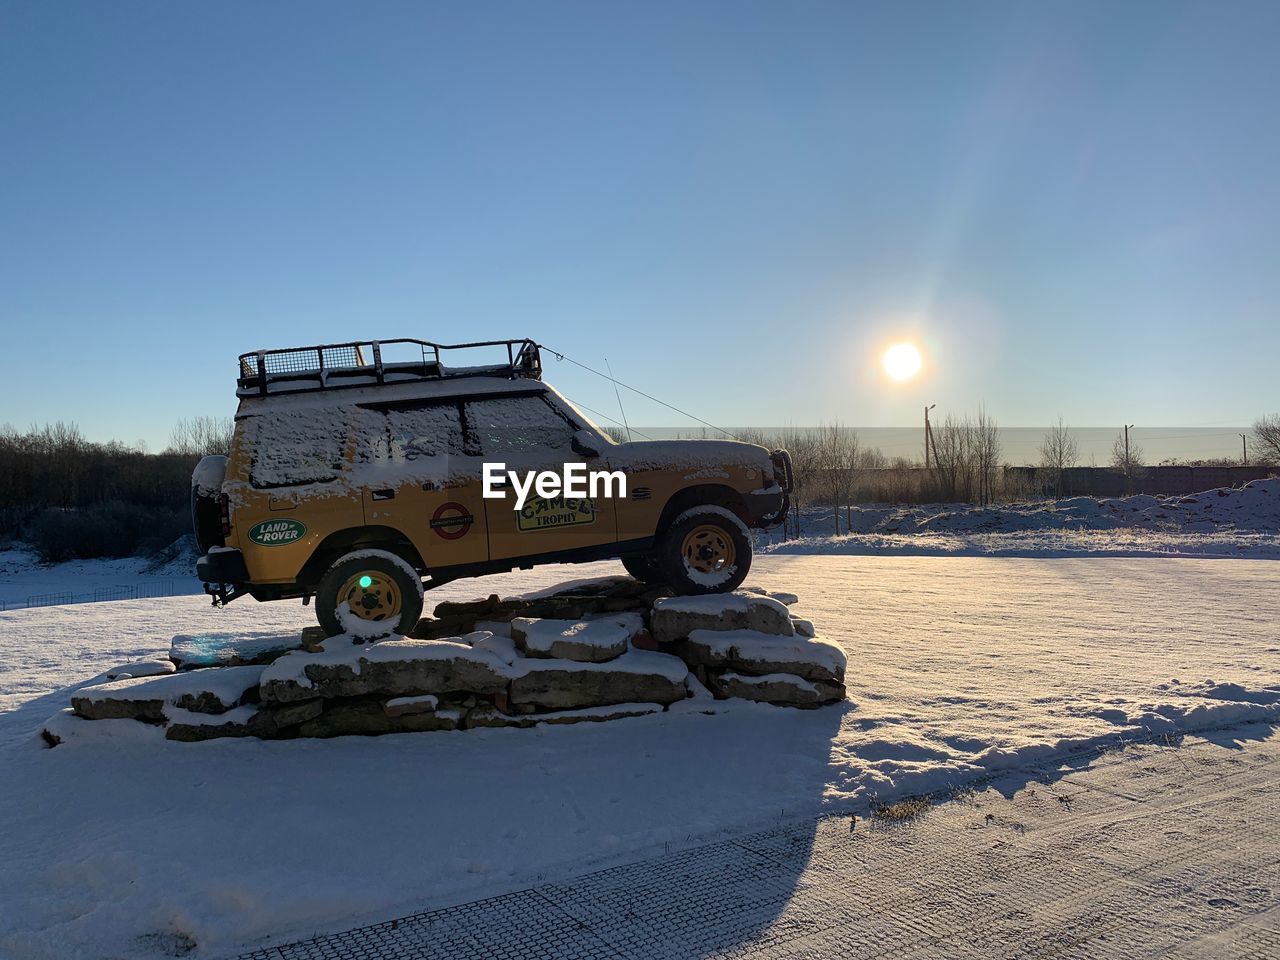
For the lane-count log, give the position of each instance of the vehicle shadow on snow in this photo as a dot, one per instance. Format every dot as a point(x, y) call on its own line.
point(691, 833)
point(1007, 783)
point(339, 832)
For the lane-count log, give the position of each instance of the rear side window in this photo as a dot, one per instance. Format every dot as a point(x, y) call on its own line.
point(425, 432)
point(291, 447)
point(513, 424)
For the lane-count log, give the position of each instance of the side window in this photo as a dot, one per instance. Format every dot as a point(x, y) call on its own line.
point(372, 437)
point(291, 447)
point(426, 432)
point(506, 425)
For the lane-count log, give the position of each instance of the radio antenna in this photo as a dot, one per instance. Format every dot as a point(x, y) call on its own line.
point(619, 396)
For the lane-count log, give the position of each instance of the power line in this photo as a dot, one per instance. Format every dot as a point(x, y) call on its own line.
point(618, 383)
point(605, 416)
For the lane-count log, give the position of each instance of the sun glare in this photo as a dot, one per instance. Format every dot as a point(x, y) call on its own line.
point(902, 361)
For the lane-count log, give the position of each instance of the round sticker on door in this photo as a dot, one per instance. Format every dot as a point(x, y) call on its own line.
point(451, 520)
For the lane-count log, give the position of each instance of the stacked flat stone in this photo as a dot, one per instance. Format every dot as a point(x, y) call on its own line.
point(616, 649)
point(747, 645)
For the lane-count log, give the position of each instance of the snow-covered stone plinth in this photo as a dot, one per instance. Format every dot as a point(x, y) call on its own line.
point(747, 645)
point(600, 651)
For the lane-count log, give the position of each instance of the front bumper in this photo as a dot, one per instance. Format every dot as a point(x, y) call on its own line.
point(768, 507)
point(224, 574)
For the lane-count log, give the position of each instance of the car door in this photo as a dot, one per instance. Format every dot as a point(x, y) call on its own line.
point(420, 481)
point(528, 433)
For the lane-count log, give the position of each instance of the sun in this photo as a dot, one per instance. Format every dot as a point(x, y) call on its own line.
point(902, 361)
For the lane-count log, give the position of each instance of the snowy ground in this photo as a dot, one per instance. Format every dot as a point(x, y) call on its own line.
point(1150, 852)
point(959, 668)
point(1225, 522)
point(23, 578)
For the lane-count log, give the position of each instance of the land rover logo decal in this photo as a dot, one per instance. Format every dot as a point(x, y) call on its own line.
point(276, 533)
point(451, 520)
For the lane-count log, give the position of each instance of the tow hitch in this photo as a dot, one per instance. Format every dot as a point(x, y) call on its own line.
point(223, 593)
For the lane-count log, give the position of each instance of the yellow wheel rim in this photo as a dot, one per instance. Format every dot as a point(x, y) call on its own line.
point(371, 595)
point(708, 549)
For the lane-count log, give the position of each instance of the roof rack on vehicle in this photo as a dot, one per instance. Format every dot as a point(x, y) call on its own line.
point(366, 363)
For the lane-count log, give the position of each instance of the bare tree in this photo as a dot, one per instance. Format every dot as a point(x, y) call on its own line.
point(1126, 457)
point(952, 442)
point(986, 455)
point(1266, 438)
point(838, 464)
point(802, 446)
point(1058, 452)
point(967, 457)
point(201, 436)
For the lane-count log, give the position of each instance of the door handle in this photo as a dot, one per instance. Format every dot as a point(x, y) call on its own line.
point(383, 494)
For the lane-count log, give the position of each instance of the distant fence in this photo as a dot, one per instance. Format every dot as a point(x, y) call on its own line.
point(1160, 481)
point(143, 590)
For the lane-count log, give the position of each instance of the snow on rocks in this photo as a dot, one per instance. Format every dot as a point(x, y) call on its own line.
point(728, 639)
point(150, 698)
point(617, 649)
point(393, 668)
point(783, 689)
point(141, 668)
point(577, 600)
point(762, 653)
point(191, 651)
point(368, 717)
point(675, 617)
point(404, 706)
point(246, 721)
point(587, 641)
point(489, 716)
point(638, 675)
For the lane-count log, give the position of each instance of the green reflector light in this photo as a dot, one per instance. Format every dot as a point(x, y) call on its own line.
point(366, 583)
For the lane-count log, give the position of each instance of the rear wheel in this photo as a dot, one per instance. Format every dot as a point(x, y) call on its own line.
point(706, 550)
point(369, 593)
point(644, 568)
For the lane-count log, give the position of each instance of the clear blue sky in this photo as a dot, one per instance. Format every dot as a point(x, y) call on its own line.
point(1074, 207)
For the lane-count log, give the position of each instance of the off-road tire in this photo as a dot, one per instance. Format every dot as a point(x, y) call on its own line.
point(353, 565)
point(644, 567)
point(724, 532)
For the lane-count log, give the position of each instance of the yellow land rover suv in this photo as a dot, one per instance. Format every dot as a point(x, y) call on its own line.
point(358, 471)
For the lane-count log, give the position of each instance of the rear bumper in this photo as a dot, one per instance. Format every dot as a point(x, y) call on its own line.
point(222, 566)
point(224, 574)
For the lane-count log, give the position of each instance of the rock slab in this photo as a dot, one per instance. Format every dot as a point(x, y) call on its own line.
point(780, 689)
point(584, 641)
point(392, 668)
point(675, 618)
point(639, 676)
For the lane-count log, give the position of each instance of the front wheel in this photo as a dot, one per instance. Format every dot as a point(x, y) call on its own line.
point(705, 550)
point(368, 594)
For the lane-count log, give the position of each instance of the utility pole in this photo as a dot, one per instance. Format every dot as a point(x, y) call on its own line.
point(1244, 448)
point(928, 434)
point(1128, 463)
